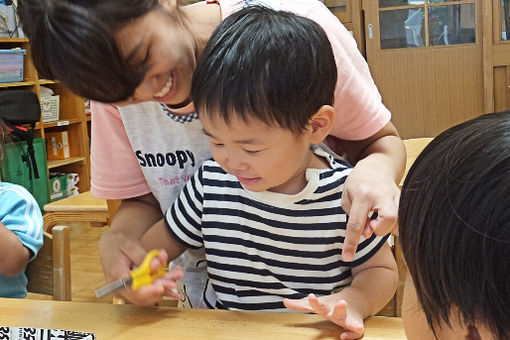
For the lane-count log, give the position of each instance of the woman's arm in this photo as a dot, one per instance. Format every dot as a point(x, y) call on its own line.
point(379, 163)
point(120, 249)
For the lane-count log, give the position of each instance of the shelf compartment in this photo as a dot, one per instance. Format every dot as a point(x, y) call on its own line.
point(61, 162)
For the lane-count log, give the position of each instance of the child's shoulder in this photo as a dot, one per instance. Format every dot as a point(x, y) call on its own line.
point(14, 192)
point(335, 161)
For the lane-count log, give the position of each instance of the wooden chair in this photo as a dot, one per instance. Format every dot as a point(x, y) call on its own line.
point(50, 272)
point(394, 308)
point(83, 207)
point(413, 149)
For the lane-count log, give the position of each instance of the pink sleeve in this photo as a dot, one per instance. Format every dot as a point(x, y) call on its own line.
point(116, 173)
point(360, 112)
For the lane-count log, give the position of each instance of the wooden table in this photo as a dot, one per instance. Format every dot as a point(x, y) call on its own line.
point(83, 207)
point(110, 321)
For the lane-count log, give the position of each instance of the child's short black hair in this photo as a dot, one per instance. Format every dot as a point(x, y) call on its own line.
point(272, 65)
point(454, 220)
point(74, 41)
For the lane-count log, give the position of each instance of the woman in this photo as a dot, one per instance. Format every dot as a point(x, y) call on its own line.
point(129, 52)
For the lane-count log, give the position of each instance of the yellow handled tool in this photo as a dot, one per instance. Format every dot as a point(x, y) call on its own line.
point(140, 276)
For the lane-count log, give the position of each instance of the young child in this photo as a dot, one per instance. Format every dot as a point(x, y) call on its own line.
point(454, 220)
point(267, 208)
point(21, 236)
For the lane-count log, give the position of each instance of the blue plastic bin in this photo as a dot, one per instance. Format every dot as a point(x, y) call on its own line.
point(11, 65)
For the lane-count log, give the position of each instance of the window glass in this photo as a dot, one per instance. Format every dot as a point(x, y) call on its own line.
point(402, 28)
point(505, 19)
point(454, 24)
point(441, 1)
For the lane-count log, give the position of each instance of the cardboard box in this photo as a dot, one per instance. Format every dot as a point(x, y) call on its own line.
point(57, 145)
point(58, 186)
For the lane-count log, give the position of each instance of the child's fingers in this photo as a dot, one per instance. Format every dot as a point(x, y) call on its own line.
point(350, 335)
point(146, 295)
point(300, 305)
point(350, 319)
point(175, 274)
point(173, 294)
point(159, 261)
point(171, 290)
point(340, 311)
point(318, 307)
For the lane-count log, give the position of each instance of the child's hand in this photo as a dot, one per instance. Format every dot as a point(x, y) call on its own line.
point(163, 286)
point(168, 281)
point(337, 312)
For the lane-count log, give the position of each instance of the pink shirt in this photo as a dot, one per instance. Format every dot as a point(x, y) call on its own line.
point(360, 113)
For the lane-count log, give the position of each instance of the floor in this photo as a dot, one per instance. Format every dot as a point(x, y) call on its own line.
point(86, 272)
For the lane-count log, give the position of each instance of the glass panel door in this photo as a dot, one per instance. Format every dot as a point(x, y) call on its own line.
point(408, 23)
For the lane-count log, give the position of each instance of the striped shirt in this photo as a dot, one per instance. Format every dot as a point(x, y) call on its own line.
point(262, 247)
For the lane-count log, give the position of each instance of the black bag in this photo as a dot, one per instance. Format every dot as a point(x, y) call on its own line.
point(21, 107)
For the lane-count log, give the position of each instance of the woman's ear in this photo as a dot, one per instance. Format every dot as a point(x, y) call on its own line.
point(321, 124)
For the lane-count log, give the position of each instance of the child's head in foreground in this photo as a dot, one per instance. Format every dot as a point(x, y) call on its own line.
point(263, 89)
point(454, 220)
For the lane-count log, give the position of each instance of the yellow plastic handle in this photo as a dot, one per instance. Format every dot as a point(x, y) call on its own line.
point(142, 275)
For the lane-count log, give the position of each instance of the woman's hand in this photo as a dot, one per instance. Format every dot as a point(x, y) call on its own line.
point(368, 191)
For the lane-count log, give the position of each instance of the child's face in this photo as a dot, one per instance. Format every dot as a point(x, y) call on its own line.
point(167, 50)
point(260, 156)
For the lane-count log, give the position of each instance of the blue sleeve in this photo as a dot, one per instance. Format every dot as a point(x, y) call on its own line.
point(20, 213)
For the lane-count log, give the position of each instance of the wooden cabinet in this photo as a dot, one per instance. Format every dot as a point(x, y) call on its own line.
point(72, 117)
point(427, 59)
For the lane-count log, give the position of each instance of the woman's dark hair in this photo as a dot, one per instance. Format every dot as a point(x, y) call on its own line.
point(272, 65)
point(73, 41)
point(454, 220)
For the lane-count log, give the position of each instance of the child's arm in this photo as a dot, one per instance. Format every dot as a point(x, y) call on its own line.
point(21, 228)
point(14, 255)
point(164, 235)
point(374, 283)
point(158, 237)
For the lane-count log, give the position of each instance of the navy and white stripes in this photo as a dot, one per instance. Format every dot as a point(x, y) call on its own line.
point(262, 247)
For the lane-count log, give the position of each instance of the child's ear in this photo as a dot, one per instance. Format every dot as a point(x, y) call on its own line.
point(321, 124)
point(168, 5)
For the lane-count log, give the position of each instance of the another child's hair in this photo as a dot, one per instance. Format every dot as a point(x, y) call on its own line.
point(272, 65)
point(454, 219)
point(74, 41)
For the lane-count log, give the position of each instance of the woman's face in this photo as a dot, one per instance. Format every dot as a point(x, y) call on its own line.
point(167, 50)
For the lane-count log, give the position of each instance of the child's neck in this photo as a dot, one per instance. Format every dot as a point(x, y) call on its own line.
point(298, 182)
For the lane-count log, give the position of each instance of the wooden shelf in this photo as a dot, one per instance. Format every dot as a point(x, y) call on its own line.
point(72, 119)
point(63, 122)
point(17, 84)
point(47, 82)
point(61, 162)
point(13, 40)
